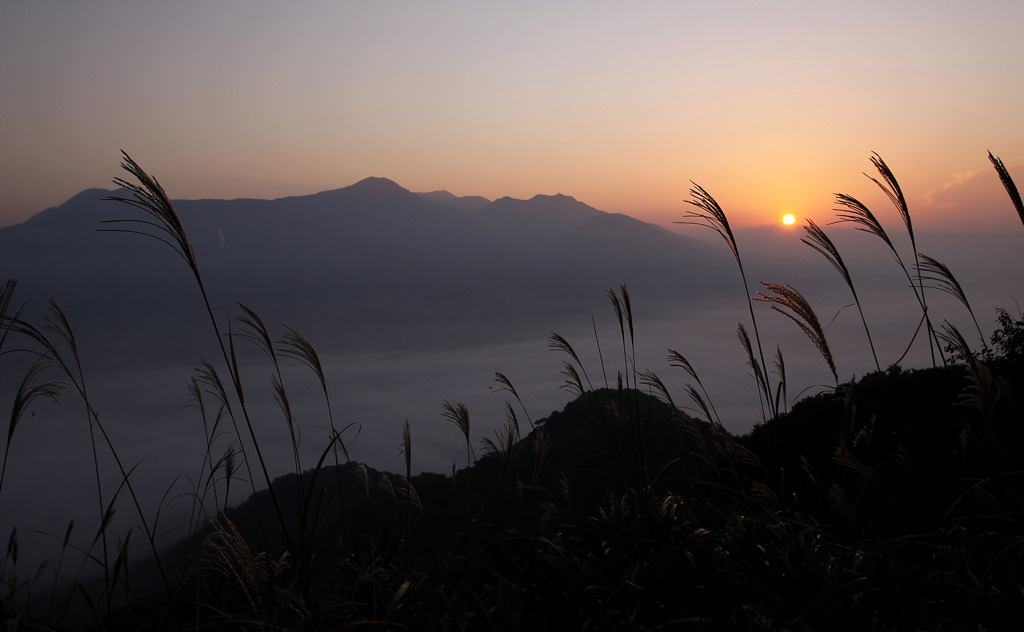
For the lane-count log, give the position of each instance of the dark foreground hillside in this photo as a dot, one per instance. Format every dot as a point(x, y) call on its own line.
point(893, 504)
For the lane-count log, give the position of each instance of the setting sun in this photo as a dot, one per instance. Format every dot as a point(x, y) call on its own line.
point(788, 219)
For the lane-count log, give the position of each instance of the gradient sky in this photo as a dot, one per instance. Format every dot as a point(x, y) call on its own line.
point(771, 106)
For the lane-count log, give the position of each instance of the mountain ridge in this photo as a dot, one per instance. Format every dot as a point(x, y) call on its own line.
point(468, 202)
point(374, 256)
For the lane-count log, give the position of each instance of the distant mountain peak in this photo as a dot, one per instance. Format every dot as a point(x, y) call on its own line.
point(556, 201)
point(541, 214)
point(467, 203)
point(377, 185)
point(558, 197)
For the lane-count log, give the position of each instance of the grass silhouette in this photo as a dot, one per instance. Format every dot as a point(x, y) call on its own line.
point(887, 503)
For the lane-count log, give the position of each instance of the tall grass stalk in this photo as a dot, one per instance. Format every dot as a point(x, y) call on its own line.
point(211, 381)
point(506, 385)
point(458, 414)
point(504, 446)
point(891, 187)
point(208, 467)
point(65, 546)
point(406, 451)
point(29, 389)
point(573, 382)
point(651, 380)
point(59, 324)
point(781, 399)
point(983, 390)
point(256, 332)
point(702, 399)
point(1008, 184)
point(295, 345)
point(623, 308)
point(851, 210)
point(819, 241)
point(600, 355)
point(160, 221)
point(624, 313)
point(791, 304)
point(558, 343)
point(757, 372)
point(711, 215)
point(627, 382)
point(8, 320)
point(933, 270)
point(63, 335)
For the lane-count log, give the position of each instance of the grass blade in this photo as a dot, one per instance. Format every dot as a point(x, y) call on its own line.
point(818, 240)
point(1011, 188)
point(791, 304)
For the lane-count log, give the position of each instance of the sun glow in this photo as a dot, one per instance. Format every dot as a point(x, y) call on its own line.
point(788, 219)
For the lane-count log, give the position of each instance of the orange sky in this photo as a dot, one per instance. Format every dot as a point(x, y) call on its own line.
point(772, 107)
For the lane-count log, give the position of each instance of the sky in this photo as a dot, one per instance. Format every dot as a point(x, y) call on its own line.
point(773, 107)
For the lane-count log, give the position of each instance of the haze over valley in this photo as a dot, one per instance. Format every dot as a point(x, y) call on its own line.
point(417, 298)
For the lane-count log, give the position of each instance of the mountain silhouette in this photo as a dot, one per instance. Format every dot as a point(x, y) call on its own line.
point(466, 203)
point(352, 266)
point(547, 215)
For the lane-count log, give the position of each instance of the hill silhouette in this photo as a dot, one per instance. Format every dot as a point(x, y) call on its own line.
point(686, 526)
